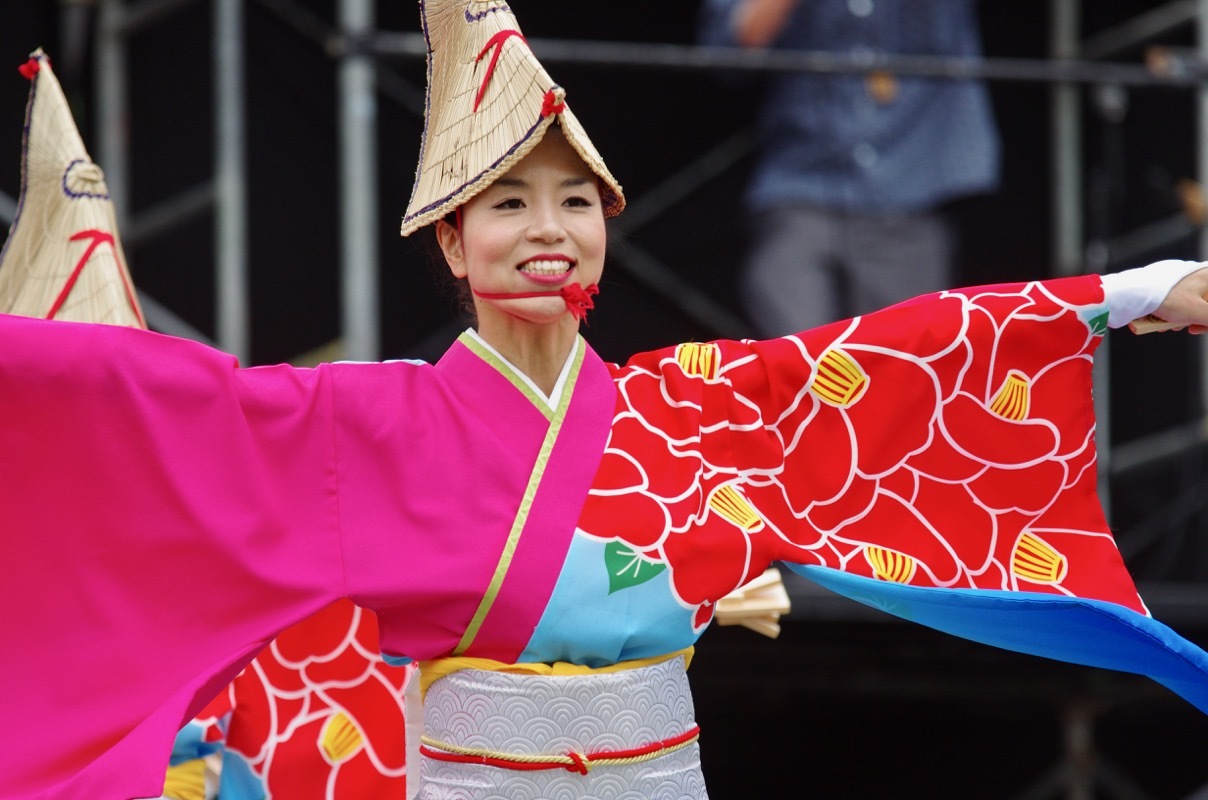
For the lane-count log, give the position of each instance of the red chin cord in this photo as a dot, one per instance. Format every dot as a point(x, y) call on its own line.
point(577, 298)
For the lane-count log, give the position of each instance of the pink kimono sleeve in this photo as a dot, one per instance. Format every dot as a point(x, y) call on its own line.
point(134, 468)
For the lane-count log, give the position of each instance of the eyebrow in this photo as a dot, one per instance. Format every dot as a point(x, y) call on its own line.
point(519, 184)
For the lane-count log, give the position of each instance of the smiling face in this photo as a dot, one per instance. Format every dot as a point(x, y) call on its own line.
point(537, 228)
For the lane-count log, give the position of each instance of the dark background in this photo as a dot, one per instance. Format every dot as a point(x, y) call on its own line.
point(844, 704)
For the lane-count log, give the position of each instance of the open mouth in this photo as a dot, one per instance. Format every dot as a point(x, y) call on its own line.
point(550, 267)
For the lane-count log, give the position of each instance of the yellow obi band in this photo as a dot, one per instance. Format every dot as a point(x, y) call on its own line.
point(434, 670)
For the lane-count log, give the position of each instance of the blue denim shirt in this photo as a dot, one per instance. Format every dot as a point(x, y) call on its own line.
point(825, 139)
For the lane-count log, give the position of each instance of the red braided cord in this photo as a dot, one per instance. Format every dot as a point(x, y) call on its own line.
point(580, 762)
point(647, 749)
point(490, 761)
point(577, 298)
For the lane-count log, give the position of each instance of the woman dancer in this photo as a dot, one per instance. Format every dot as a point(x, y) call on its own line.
point(546, 532)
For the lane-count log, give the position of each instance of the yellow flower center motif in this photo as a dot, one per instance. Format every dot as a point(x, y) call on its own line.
point(1013, 398)
point(728, 503)
point(341, 738)
point(890, 565)
point(699, 359)
point(1037, 561)
point(840, 380)
point(186, 781)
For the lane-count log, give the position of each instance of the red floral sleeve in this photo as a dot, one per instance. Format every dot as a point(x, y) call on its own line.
point(317, 715)
point(947, 441)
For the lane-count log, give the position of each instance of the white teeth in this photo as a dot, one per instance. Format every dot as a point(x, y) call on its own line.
point(546, 267)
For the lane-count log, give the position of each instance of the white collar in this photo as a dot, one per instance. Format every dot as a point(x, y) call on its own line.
point(555, 396)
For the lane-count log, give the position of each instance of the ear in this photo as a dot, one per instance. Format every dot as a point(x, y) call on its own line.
point(449, 239)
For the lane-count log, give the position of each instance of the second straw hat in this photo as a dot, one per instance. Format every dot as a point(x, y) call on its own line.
point(489, 103)
point(63, 258)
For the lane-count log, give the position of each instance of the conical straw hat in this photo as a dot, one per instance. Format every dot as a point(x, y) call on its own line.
point(63, 258)
point(489, 103)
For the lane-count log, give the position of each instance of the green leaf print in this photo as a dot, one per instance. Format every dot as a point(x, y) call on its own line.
point(1098, 324)
point(627, 568)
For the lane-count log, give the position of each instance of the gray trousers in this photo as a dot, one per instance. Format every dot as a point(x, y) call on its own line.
point(808, 266)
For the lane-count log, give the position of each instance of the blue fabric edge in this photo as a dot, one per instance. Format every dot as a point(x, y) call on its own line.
point(1077, 630)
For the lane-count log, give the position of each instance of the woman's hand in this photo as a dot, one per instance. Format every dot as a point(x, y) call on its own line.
point(1186, 306)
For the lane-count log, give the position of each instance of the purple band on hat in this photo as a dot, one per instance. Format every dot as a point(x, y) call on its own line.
point(528, 135)
point(481, 14)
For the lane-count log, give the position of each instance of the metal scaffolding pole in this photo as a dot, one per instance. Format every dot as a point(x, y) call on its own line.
point(1067, 245)
point(1144, 27)
point(111, 107)
point(667, 57)
point(358, 186)
point(1067, 149)
point(8, 208)
point(1201, 32)
point(232, 288)
point(116, 22)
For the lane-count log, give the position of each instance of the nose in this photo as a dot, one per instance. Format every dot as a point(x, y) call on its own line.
point(545, 224)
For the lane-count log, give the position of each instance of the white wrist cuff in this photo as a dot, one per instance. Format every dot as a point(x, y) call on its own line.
point(1136, 293)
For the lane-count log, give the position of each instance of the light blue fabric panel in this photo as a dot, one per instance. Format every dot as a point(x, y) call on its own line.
point(585, 623)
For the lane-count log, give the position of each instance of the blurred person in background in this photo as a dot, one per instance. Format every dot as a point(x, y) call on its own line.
point(847, 200)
